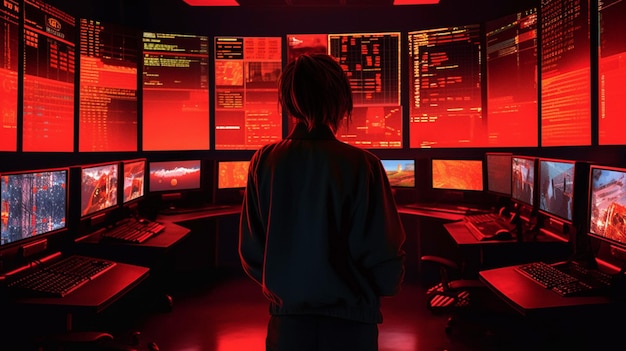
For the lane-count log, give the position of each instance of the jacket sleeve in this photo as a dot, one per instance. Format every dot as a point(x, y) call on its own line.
point(251, 229)
point(377, 241)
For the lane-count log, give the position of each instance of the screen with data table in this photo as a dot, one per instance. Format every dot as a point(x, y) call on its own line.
point(175, 80)
point(49, 68)
point(247, 115)
point(372, 63)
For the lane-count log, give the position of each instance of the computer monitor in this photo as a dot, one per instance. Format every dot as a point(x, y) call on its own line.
point(177, 184)
point(231, 179)
point(456, 174)
point(372, 63)
point(498, 166)
point(49, 45)
point(34, 205)
point(175, 78)
point(134, 181)
point(108, 111)
point(607, 212)
point(523, 176)
point(400, 172)
point(247, 113)
point(556, 188)
point(232, 174)
point(565, 91)
point(10, 22)
point(99, 191)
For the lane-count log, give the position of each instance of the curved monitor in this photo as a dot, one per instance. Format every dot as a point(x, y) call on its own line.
point(400, 172)
point(523, 179)
point(556, 188)
point(33, 203)
point(99, 188)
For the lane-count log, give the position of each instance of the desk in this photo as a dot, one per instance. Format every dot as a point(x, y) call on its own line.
point(530, 299)
point(91, 298)
point(507, 252)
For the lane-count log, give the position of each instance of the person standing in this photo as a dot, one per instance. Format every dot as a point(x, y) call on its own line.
point(319, 228)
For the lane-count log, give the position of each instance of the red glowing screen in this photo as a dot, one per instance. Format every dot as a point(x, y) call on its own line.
point(108, 87)
point(175, 99)
point(565, 73)
point(445, 88)
point(607, 204)
point(99, 188)
point(32, 203)
point(174, 176)
point(232, 174)
point(134, 180)
point(372, 63)
point(612, 72)
point(457, 174)
point(9, 23)
point(512, 87)
point(49, 68)
point(247, 115)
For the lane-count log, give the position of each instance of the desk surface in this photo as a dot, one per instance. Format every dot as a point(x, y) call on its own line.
point(206, 213)
point(531, 299)
point(97, 294)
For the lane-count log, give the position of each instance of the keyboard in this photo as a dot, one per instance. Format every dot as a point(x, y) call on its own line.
point(60, 278)
point(132, 230)
point(573, 279)
point(485, 226)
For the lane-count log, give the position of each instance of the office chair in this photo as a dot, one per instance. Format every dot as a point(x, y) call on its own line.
point(453, 294)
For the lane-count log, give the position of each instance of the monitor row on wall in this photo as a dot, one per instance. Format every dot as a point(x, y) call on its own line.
point(529, 79)
point(564, 193)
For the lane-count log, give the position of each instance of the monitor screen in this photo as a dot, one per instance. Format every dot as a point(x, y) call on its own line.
point(556, 188)
point(445, 88)
point(401, 173)
point(49, 69)
point(99, 188)
point(175, 85)
point(9, 21)
point(612, 70)
point(232, 174)
point(32, 203)
point(134, 180)
point(607, 204)
point(455, 174)
point(523, 179)
point(498, 173)
point(108, 87)
point(372, 63)
point(247, 114)
point(565, 73)
point(175, 176)
point(512, 89)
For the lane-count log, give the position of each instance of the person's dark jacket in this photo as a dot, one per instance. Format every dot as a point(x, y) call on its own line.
point(319, 228)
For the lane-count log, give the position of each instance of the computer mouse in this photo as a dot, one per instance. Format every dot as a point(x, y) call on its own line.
point(502, 234)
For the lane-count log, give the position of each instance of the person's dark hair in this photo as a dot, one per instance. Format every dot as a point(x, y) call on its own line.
point(314, 89)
